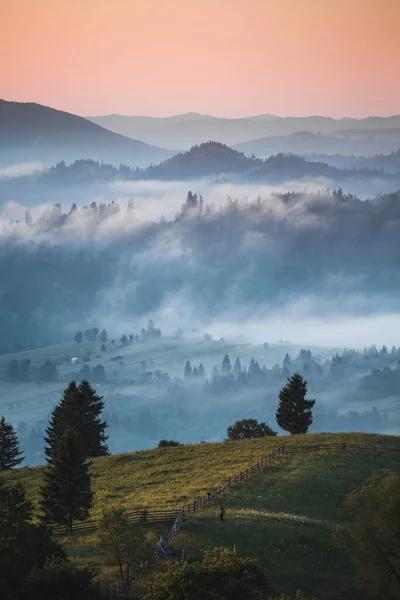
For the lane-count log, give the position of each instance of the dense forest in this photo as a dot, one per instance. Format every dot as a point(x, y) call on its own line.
point(63, 269)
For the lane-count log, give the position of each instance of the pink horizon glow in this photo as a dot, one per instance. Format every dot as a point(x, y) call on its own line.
point(230, 58)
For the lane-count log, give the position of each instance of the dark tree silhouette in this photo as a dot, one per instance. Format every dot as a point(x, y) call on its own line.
point(78, 337)
point(188, 370)
point(66, 494)
point(226, 368)
point(248, 428)
point(294, 412)
point(80, 408)
point(10, 455)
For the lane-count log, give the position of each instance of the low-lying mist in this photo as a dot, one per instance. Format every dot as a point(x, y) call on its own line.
point(306, 274)
point(319, 267)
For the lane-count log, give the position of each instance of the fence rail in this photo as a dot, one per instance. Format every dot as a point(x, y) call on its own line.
point(144, 516)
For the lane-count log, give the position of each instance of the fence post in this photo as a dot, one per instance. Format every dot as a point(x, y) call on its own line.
point(344, 447)
point(145, 512)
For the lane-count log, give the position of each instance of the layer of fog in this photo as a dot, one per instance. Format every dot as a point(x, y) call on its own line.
point(21, 169)
point(314, 269)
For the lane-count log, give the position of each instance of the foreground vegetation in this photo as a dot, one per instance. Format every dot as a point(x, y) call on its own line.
point(284, 517)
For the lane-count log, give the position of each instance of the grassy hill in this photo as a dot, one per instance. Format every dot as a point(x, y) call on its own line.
point(284, 516)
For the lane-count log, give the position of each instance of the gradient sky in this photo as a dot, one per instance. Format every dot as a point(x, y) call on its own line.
point(229, 58)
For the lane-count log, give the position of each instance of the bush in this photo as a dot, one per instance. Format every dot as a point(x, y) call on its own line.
point(248, 428)
point(219, 576)
point(166, 443)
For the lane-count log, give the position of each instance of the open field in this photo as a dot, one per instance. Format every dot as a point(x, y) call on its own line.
point(284, 516)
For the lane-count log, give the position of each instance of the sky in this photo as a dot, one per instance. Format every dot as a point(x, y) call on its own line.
point(229, 58)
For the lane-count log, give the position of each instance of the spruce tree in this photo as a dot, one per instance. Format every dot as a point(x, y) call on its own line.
point(188, 370)
point(80, 408)
point(10, 455)
point(294, 412)
point(226, 366)
point(66, 494)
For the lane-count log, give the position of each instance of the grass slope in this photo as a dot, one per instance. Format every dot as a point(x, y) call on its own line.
point(283, 517)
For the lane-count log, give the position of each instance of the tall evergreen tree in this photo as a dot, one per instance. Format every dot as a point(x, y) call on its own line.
point(66, 494)
point(237, 369)
point(188, 370)
point(294, 412)
point(103, 337)
point(10, 455)
point(226, 366)
point(201, 371)
point(80, 408)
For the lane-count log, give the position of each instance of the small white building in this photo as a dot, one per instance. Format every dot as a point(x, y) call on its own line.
point(74, 360)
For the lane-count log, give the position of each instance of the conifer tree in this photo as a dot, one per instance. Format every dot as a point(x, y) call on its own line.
point(10, 455)
point(80, 408)
point(188, 370)
point(66, 494)
point(226, 366)
point(294, 412)
point(237, 369)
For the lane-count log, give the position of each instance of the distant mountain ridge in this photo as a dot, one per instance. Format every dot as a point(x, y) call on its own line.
point(184, 131)
point(30, 131)
point(347, 143)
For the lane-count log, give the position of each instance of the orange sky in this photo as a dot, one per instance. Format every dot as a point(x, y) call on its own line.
point(224, 57)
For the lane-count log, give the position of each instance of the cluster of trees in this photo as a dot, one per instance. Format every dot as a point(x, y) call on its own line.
point(149, 333)
point(294, 413)
point(33, 566)
point(91, 335)
point(381, 382)
point(18, 371)
point(94, 334)
point(227, 376)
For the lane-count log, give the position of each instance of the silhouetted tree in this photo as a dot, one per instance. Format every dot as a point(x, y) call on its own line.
point(294, 412)
point(10, 455)
point(66, 494)
point(226, 366)
point(80, 409)
point(188, 370)
point(78, 337)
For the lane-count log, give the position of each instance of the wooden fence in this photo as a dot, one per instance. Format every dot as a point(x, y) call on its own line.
point(144, 516)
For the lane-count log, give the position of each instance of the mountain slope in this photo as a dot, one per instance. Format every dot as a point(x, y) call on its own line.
point(216, 159)
point(360, 142)
point(31, 131)
point(184, 131)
